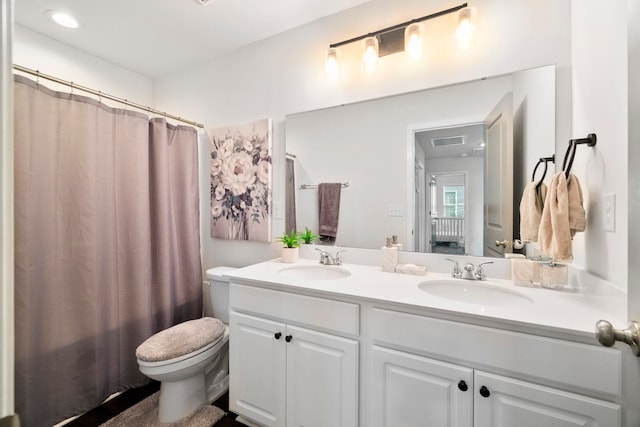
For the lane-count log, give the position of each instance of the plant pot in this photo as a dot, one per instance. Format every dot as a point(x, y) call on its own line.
point(289, 255)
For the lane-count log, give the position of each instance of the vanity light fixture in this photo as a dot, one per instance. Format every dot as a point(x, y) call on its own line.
point(332, 66)
point(466, 26)
point(397, 38)
point(63, 18)
point(371, 52)
point(413, 40)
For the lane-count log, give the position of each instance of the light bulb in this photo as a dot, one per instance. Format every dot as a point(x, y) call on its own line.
point(413, 41)
point(331, 65)
point(466, 26)
point(370, 54)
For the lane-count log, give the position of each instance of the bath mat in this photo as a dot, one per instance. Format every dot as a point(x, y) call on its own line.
point(145, 414)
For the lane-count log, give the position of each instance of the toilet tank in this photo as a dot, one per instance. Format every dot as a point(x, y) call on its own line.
point(219, 292)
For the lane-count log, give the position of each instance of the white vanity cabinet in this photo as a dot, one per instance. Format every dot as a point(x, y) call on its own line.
point(503, 401)
point(433, 372)
point(293, 358)
point(410, 390)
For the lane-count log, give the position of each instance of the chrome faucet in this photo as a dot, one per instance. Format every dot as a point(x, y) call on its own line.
point(327, 259)
point(469, 272)
point(457, 271)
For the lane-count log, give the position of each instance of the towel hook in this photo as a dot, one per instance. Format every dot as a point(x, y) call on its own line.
point(544, 160)
point(570, 155)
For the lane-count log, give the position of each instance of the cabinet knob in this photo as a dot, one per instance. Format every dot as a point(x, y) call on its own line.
point(288, 338)
point(484, 392)
point(277, 335)
point(463, 386)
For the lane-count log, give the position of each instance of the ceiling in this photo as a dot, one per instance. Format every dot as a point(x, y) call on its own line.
point(158, 37)
point(473, 145)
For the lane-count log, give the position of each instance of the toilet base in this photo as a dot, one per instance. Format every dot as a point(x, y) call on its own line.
point(180, 398)
point(215, 391)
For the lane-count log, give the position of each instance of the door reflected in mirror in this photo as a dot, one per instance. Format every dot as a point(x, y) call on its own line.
point(374, 145)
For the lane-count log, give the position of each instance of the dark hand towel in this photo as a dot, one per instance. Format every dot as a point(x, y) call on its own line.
point(329, 209)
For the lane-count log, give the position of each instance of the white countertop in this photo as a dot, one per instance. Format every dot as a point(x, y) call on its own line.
point(567, 313)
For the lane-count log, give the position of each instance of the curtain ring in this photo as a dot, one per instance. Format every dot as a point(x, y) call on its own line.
point(38, 79)
point(71, 84)
point(99, 97)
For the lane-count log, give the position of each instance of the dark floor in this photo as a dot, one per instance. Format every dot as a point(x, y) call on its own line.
point(118, 404)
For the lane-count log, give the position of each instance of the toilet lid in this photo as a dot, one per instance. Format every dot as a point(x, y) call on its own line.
point(181, 339)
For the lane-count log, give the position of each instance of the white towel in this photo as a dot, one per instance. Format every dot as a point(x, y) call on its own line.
point(562, 216)
point(531, 206)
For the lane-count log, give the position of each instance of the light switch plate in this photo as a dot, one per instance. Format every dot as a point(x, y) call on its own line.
point(277, 210)
point(609, 212)
point(395, 210)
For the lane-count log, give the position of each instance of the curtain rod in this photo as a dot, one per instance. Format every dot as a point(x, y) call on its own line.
point(99, 94)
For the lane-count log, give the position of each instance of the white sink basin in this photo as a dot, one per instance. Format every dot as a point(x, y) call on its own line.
point(315, 272)
point(474, 292)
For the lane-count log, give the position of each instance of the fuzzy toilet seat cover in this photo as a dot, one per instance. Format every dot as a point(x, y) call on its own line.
point(181, 339)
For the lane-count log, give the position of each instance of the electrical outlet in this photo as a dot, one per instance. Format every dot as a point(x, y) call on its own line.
point(395, 210)
point(609, 212)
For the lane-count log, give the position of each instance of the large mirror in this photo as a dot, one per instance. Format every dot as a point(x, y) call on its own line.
point(442, 169)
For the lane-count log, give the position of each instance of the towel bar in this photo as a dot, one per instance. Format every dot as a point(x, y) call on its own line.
point(309, 186)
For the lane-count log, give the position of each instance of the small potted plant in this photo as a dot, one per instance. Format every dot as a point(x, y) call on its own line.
point(308, 236)
point(291, 245)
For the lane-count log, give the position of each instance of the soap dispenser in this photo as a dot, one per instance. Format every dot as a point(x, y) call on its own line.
point(395, 243)
point(389, 256)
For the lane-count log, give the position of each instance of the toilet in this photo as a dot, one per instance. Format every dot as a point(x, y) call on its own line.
point(191, 359)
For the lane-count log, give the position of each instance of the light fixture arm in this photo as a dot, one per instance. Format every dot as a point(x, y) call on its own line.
point(398, 26)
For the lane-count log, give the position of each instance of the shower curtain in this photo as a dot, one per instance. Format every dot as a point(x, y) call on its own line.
point(290, 200)
point(107, 246)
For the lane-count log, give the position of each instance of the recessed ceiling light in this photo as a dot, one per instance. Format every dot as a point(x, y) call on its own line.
point(64, 19)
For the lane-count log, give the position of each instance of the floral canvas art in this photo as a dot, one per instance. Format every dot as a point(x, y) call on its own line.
point(241, 182)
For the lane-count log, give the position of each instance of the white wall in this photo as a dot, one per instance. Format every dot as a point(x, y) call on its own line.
point(533, 90)
point(35, 51)
point(599, 33)
point(285, 74)
point(633, 16)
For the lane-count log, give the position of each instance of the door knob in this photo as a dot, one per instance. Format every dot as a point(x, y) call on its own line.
point(502, 243)
point(607, 335)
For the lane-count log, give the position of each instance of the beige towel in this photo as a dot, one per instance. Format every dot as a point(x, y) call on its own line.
point(577, 215)
point(562, 216)
point(531, 206)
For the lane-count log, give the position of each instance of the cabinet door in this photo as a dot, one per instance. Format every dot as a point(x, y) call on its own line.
point(411, 391)
point(508, 402)
point(322, 379)
point(257, 369)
